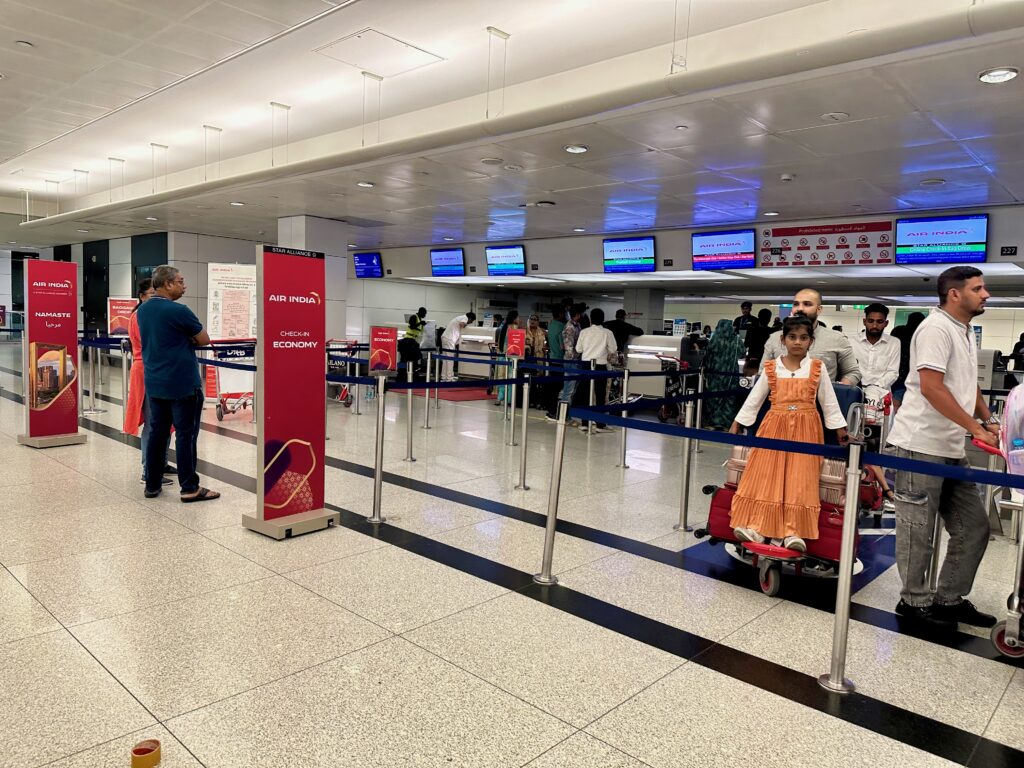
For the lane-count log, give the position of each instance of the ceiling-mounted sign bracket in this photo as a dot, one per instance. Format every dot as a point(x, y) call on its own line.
point(373, 85)
point(497, 67)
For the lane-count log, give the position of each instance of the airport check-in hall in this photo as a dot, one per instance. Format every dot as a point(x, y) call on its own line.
point(547, 384)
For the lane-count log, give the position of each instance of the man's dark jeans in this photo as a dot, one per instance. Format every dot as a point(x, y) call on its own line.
point(185, 414)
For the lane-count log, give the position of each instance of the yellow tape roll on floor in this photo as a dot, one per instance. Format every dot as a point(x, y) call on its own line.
point(146, 754)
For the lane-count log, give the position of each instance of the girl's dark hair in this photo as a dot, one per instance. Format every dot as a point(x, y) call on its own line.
point(793, 322)
point(144, 285)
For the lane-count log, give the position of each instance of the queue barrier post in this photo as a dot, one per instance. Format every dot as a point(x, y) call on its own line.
point(437, 392)
point(684, 493)
point(126, 347)
point(408, 414)
point(426, 393)
point(510, 402)
point(502, 388)
point(835, 681)
point(545, 576)
point(522, 486)
point(378, 454)
point(358, 393)
point(92, 410)
point(81, 378)
point(700, 408)
point(593, 397)
point(625, 414)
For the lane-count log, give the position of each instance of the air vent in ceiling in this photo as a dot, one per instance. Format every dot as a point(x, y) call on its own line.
point(373, 51)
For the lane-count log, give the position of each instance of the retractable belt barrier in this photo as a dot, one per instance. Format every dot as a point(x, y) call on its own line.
point(225, 364)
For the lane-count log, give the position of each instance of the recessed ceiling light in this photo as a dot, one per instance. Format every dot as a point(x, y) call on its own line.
point(544, 203)
point(512, 167)
point(681, 127)
point(236, 203)
point(932, 182)
point(835, 117)
point(491, 160)
point(770, 213)
point(352, 245)
point(12, 242)
point(153, 218)
point(83, 231)
point(449, 239)
point(576, 149)
point(24, 43)
point(364, 184)
point(998, 75)
point(578, 229)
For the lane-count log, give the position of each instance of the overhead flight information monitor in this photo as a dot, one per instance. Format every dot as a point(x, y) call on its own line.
point(942, 239)
point(629, 254)
point(724, 250)
point(367, 265)
point(447, 262)
point(505, 260)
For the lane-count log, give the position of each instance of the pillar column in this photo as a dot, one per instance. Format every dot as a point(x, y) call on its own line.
point(310, 233)
point(645, 307)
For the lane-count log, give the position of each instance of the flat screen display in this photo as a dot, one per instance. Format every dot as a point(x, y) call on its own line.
point(733, 249)
point(447, 262)
point(367, 265)
point(629, 254)
point(942, 239)
point(505, 260)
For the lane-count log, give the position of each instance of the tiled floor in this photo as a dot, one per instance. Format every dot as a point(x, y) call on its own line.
point(426, 643)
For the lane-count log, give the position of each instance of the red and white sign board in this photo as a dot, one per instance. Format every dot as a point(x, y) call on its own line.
point(825, 245)
point(119, 312)
point(515, 342)
point(383, 349)
point(3, 316)
point(290, 394)
point(50, 356)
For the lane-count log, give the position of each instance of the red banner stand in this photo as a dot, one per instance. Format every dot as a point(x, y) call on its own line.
point(291, 394)
point(50, 355)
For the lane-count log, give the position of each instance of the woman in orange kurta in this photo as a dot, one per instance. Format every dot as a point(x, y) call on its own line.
point(778, 496)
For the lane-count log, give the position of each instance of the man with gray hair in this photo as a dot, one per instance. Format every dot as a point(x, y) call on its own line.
point(170, 332)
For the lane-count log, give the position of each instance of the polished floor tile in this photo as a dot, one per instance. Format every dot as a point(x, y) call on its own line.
point(192, 652)
point(205, 515)
point(21, 615)
point(391, 705)
point(581, 750)
point(322, 546)
point(97, 585)
point(697, 718)
point(1005, 726)
point(614, 512)
point(569, 667)
point(43, 498)
point(58, 700)
point(394, 588)
point(426, 514)
point(117, 753)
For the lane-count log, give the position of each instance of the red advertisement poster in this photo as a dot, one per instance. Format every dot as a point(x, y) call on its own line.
point(3, 316)
point(515, 344)
point(51, 350)
point(291, 396)
point(383, 348)
point(823, 245)
point(119, 311)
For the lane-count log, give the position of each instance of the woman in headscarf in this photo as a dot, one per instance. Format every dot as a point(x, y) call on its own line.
point(724, 352)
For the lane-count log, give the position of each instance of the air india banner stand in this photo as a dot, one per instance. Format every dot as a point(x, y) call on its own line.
point(50, 355)
point(290, 394)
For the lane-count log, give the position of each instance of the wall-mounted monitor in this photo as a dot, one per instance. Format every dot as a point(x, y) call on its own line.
point(629, 254)
point(367, 264)
point(733, 249)
point(942, 239)
point(447, 262)
point(505, 260)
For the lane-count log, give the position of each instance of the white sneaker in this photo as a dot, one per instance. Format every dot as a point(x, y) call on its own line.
point(795, 543)
point(748, 534)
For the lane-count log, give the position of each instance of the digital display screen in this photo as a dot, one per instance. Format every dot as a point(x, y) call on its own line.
point(942, 239)
point(367, 265)
point(629, 254)
point(447, 262)
point(505, 260)
point(724, 250)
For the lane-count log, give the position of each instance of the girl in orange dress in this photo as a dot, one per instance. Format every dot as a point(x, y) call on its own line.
point(778, 496)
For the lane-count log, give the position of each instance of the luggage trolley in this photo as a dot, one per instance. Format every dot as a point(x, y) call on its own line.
point(675, 369)
point(347, 349)
point(234, 388)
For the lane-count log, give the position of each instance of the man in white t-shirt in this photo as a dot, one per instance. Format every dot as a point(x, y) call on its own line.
point(597, 344)
point(450, 342)
point(942, 405)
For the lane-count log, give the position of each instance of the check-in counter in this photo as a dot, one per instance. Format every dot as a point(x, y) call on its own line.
point(642, 356)
point(477, 340)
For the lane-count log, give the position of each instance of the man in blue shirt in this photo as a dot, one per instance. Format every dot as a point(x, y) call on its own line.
point(170, 332)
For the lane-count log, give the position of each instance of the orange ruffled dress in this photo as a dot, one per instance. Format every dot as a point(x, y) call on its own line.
point(134, 416)
point(778, 494)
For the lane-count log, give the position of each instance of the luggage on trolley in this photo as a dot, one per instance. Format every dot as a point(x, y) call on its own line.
point(675, 369)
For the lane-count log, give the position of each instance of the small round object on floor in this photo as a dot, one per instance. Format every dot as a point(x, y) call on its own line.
point(146, 754)
point(998, 636)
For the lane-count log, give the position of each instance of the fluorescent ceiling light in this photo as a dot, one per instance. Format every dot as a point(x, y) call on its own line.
point(487, 280)
point(449, 239)
point(998, 75)
point(641, 277)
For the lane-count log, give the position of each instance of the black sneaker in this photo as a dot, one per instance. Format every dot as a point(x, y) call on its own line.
point(170, 469)
point(964, 613)
point(923, 614)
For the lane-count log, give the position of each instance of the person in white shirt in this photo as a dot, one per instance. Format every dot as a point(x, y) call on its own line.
point(597, 343)
point(942, 406)
point(450, 342)
point(878, 355)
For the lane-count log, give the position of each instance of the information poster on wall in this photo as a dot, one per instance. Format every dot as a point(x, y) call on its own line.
point(3, 316)
point(119, 312)
point(515, 342)
point(383, 349)
point(290, 394)
point(863, 243)
point(50, 354)
point(231, 302)
point(679, 326)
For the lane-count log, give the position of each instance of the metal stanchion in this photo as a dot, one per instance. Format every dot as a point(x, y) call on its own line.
point(426, 394)
point(835, 681)
point(593, 396)
point(933, 566)
point(358, 393)
point(437, 392)
point(700, 408)
point(622, 438)
point(504, 375)
point(408, 415)
point(510, 400)
point(684, 495)
point(522, 438)
point(126, 347)
point(92, 410)
point(378, 454)
point(545, 576)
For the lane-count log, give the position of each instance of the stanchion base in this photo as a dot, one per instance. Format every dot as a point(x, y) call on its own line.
point(522, 487)
point(540, 579)
point(408, 458)
point(678, 527)
point(622, 466)
point(292, 525)
point(53, 441)
point(426, 427)
point(378, 521)
point(93, 411)
point(846, 686)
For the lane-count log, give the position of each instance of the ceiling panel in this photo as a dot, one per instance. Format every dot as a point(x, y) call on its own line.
point(599, 142)
point(234, 23)
point(291, 12)
point(651, 165)
point(195, 42)
point(469, 158)
point(705, 122)
point(36, 23)
point(751, 152)
point(994, 150)
point(868, 135)
point(696, 185)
